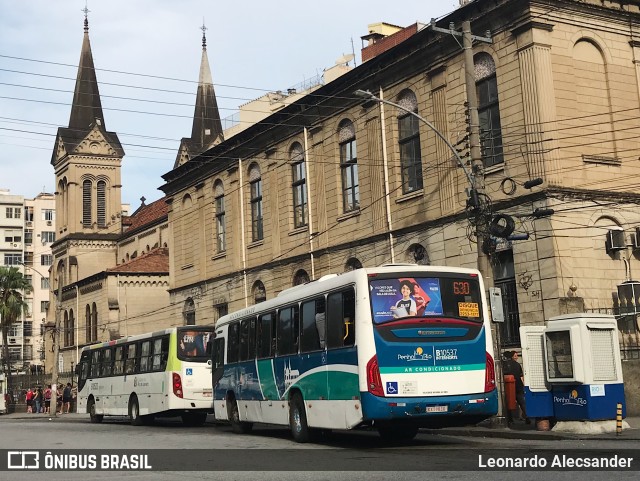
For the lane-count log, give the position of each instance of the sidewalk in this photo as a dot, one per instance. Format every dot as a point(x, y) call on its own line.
point(487, 429)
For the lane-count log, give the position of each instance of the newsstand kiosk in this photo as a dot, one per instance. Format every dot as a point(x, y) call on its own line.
point(572, 368)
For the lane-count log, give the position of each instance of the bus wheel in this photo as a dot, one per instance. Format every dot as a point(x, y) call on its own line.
point(237, 426)
point(134, 412)
point(298, 420)
point(194, 419)
point(95, 418)
point(397, 434)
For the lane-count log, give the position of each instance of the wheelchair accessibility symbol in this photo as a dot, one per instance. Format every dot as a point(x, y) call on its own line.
point(392, 387)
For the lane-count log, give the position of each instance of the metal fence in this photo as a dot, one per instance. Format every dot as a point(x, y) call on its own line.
point(20, 383)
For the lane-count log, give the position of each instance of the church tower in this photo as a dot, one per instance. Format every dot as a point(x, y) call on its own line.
point(87, 162)
point(207, 127)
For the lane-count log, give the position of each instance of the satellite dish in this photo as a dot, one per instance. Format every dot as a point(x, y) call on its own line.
point(345, 59)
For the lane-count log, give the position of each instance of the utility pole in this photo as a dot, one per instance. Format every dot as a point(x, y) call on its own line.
point(56, 346)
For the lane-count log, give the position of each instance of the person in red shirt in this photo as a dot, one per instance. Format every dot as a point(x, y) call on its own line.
point(29, 399)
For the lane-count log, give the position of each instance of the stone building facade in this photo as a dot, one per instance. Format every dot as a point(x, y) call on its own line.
point(332, 182)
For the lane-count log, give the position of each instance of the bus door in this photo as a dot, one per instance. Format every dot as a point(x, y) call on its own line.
point(342, 359)
point(429, 335)
point(194, 350)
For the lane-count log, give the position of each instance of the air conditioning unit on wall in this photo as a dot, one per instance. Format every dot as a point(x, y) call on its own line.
point(615, 240)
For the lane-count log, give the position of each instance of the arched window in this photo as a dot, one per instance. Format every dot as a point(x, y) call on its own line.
point(259, 292)
point(298, 185)
point(189, 312)
point(255, 184)
point(102, 203)
point(71, 329)
point(65, 330)
point(349, 166)
point(94, 323)
point(301, 277)
point(220, 217)
point(352, 264)
point(417, 253)
point(488, 110)
point(86, 203)
point(87, 323)
point(409, 142)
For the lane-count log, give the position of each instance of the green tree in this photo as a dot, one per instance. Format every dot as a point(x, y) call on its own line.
point(13, 286)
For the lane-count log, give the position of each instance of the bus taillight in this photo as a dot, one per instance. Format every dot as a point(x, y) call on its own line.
point(490, 375)
point(177, 385)
point(374, 382)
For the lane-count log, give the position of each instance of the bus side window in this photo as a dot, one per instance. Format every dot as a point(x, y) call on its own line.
point(107, 363)
point(131, 362)
point(285, 329)
point(265, 336)
point(95, 363)
point(118, 365)
point(245, 335)
point(341, 319)
point(234, 340)
point(156, 363)
point(218, 353)
point(349, 310)
point(145, 348)
point(313, 323)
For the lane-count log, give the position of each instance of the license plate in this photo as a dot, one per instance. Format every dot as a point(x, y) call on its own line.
point(437, 409)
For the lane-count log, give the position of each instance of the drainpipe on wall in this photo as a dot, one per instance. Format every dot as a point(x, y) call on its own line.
point(309, 203)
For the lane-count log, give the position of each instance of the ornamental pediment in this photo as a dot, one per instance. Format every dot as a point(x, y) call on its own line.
point(95, 144)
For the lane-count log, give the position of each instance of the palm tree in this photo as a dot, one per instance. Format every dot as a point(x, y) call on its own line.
point(13, 285)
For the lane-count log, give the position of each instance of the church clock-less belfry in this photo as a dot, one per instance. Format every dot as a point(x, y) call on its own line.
point(87, 161)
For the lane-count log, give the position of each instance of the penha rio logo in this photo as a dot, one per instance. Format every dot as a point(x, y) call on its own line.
point(418, 355)
point(571, 400)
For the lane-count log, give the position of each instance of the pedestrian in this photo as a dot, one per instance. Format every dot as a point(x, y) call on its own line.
point(66, 398)
point(29, 400)
point(47, 399)
point(511, 366)
point(59, 399)
point(38, 400)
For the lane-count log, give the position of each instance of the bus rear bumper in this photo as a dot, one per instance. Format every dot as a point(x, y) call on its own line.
point(433, 412)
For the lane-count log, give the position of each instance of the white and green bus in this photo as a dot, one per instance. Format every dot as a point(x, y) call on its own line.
point(395, 348)
point(163, 373)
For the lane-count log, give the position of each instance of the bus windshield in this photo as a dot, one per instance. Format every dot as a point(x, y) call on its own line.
point(445, 296)
point(194, 344)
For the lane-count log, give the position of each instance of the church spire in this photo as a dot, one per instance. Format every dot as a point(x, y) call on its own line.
point(207, 127)
point(86, 106)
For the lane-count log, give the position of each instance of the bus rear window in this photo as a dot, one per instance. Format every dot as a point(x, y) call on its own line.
point(398, 297)
point(193, 344)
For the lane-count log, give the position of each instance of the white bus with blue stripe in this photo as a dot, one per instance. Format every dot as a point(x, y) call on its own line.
point(397, 348)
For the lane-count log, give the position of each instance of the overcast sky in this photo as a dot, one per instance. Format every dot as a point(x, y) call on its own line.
point(254, 46)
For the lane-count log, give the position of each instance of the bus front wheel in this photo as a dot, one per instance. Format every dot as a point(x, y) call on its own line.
point(298, 420)
point(237, 426)
point(95, 418)
point(134, 412)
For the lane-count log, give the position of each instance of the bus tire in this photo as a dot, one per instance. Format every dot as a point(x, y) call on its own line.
point(194, 419)
point(91, 408)
point(298, 420)
point(134, 412)
point(397, 434)
point(237, 426)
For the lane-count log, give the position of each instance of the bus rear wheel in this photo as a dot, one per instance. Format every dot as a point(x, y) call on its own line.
point(134, 412)
point(95, 418)
point(237, 426)
point(194, 419)
point(397, 434)
point(298, 420)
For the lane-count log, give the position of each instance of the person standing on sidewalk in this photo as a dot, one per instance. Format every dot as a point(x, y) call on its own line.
point(511, 366)
point(29, 400)
point(47, 399)
point(66, 398)
point(38, 400)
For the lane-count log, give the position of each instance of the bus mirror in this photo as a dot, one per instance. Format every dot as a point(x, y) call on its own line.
point(209, 364)
point(77, 370)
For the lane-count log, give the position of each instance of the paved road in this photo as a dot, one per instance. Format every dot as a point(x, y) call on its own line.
point(328, 459)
